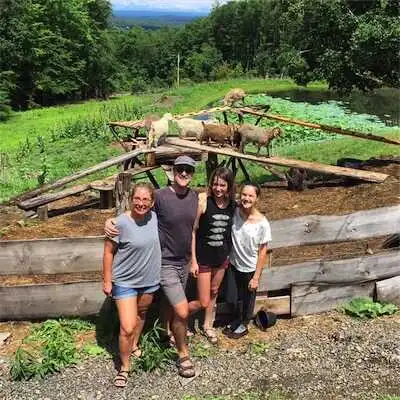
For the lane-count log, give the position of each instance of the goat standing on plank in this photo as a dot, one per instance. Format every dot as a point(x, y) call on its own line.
point(159, 130)
point(189, 127)
point(261, 137)
point(219, 133)
point(233, 96)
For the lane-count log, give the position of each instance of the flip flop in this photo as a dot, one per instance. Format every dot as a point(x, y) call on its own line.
point(185, 367)
point(121, 379)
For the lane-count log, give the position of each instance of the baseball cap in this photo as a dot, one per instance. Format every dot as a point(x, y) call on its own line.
point(185, 160)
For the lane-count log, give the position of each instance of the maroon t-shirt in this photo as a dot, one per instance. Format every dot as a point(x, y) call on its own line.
point(176, 215)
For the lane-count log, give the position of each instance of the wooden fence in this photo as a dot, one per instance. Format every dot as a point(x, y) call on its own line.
point(314, 286)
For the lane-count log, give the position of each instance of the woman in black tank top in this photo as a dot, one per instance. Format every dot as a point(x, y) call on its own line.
point(211, 244)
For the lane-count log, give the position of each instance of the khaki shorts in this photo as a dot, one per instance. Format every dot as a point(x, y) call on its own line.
point(173, 282)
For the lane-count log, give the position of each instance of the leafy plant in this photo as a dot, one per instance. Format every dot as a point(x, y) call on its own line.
point(258, 348)
point(154, 353)
point(365, 307)
point(54, 347)
point(201, 350)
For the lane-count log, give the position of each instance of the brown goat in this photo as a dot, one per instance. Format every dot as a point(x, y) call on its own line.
point(257, 135)
point(233, 96)
point(219, 133)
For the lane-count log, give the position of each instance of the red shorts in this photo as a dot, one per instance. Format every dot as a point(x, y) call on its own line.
point(209, 268)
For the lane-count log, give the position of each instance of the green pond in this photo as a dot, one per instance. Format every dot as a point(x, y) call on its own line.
point(383, 103)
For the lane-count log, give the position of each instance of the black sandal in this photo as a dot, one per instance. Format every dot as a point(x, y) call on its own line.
point(121, 379)
point(185, 371)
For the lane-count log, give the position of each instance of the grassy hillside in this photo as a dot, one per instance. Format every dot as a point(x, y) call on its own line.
point(42, 145)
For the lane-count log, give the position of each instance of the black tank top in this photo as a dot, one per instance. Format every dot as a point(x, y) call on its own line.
point(213, 237)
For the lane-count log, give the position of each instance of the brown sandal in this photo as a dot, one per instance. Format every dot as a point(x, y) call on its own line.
point(121, 379)
point(185, 367)
point(136, 352)
point(211, 335)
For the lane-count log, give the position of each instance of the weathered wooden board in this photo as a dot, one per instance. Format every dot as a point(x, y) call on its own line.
point(84, 298)
point(314, 229)
point(313, 299)
point(50, 197)
point(285, 162)
point(51, 300)
point(80, 174)
point(388, 290)
point(367, 268)
point(51, 256)
point(326, 128)
point(63, 255)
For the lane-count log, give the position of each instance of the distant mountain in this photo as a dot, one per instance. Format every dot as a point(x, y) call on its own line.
point(153, 19)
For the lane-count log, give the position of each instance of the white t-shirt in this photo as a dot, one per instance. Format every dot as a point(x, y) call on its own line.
point(246, 240)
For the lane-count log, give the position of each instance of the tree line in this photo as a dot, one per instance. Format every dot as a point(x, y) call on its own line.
point(53, 51)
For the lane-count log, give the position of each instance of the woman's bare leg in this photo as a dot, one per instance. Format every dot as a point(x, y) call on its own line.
point(128, 314)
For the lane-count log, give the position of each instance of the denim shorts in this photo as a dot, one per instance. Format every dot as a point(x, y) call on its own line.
point(121, 292)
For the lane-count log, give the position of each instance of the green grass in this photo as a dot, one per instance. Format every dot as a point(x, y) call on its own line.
point(29, 124)
point(40, 146)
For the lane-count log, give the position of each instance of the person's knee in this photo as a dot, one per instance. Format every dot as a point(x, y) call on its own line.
point(181, 312)
point(204, 301)
point(127, 330)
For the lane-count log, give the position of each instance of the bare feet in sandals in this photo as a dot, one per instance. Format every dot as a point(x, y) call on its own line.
point(121, 379)
point(136, 352)
point(211, 335)
point(185, 367)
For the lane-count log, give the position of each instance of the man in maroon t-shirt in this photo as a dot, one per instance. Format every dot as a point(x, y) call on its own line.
point(176, 208)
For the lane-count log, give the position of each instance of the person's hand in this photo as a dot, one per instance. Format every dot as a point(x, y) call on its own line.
point(253, 284)
point(194, 269)
point(107, 288)
point(109, 228)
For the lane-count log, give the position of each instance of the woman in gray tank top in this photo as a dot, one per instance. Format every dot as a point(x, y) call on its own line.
point(131, 272)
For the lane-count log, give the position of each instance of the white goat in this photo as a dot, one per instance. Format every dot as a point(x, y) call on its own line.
point(189, 127)
point(159, 130)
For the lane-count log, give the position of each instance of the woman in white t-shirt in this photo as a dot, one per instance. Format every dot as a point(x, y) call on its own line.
point(251, 233)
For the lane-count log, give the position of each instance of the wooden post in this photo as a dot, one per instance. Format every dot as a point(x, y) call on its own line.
point(211, 164)
point(106, 197)
point(42, 213)
point(122, 192)
point(151, 159)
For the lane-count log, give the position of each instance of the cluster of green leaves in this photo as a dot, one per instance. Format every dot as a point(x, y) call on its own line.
point(155, 353)
point(53, 347)
point(365, 307)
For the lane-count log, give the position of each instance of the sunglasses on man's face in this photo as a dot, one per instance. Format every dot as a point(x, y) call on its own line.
point(184, 168)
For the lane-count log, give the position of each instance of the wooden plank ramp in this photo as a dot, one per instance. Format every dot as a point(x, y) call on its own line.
point(284, 162)
point(326, 128)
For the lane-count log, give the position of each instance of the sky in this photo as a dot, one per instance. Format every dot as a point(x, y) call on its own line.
point(181, 5)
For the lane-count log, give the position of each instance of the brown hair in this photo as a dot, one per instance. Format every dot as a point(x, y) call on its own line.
point(143, 185)
point(227, 175)
point(255, 185)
